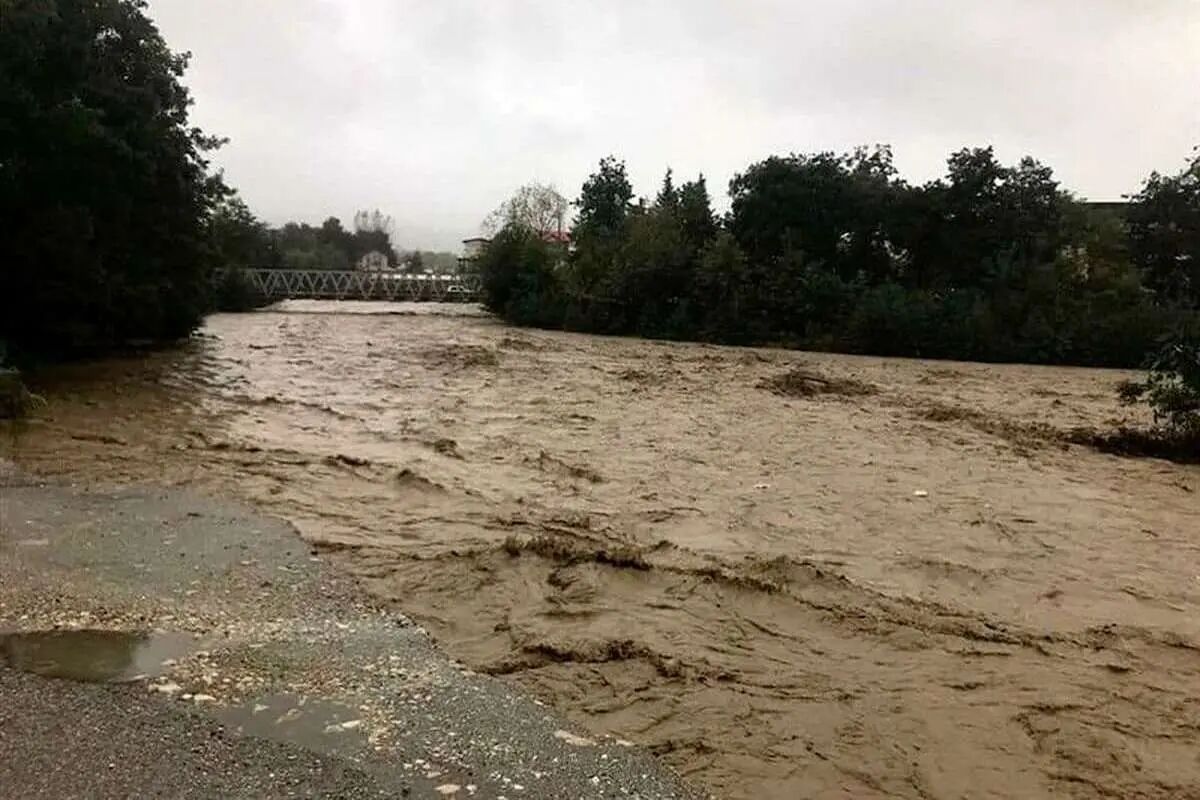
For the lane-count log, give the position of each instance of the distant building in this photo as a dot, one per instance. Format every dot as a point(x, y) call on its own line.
point(473, 248)
point(373, 261)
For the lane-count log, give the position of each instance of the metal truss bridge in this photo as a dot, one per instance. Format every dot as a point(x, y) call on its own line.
point(325, 284)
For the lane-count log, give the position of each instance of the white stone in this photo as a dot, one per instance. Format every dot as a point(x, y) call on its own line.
point(572, 739)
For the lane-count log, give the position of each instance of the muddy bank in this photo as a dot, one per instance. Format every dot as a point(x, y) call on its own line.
point(786, 573)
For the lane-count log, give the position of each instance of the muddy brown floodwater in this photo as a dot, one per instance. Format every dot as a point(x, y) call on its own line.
point(788, 574)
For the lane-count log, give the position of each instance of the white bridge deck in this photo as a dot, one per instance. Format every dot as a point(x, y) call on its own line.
point(324, 284)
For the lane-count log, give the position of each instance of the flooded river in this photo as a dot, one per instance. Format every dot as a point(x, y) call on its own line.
point(787, 574)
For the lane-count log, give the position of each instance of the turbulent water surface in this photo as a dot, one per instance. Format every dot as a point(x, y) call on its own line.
point(788, 574)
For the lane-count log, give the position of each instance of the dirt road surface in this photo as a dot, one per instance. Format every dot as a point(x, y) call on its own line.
point(788, 574)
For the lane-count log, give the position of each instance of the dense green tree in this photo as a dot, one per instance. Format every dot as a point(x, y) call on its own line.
point(236, 238)
point(668, 195)
point(605, 202)
point(696, 216)
point(981, 214)
point(835, 209)
point(104, 189)
point(730, 288)
point(1172, 389)
point(236, 241)
point(1164, 234)
point(518, 275)
point(604, 206)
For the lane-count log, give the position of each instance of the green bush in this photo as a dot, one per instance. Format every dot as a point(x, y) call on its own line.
point(1173, 387)
point(15, 400)
point(519, 275)
point(236, 292)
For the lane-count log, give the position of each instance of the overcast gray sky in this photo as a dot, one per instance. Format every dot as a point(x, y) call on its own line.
point(434, 111)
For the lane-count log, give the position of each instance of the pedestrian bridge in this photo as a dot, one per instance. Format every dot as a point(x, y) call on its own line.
point(327, 284)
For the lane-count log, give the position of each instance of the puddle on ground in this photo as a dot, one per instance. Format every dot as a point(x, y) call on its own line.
point(95, 656)
point(318, 725)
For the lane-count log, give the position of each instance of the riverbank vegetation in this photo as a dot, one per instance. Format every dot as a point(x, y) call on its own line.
point(993, 262)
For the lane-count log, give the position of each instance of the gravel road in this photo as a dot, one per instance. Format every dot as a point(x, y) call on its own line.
point(285, 680)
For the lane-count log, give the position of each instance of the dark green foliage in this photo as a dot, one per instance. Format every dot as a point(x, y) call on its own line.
point(1173, 387)
point(1172, 390)
point(104, 191)
point(234, 291)
point(236, 239)
point(835, 209)
point(605, 202)
point(1164, 233)
point(981, 214)
point(991, 263)
point(519, 275)
point(15, 399)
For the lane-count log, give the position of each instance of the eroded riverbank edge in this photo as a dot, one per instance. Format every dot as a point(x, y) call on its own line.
point(336, 695)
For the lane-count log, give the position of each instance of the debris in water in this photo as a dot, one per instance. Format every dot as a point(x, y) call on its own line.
point(346, 460)
point(348, 725)
point(801, 382)
point(307, 721)
point(446, 447)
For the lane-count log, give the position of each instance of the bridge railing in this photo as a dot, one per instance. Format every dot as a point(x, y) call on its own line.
point(323, 284)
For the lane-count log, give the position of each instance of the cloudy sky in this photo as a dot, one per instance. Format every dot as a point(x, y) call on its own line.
point(435, 110)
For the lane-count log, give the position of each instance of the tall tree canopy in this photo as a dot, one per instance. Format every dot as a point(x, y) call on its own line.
point(104, 189)
point(1164, 232)
point(536, 206)
point(833, 208)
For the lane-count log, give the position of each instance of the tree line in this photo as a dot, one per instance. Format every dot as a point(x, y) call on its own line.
point(991, 262)
point(238, 239)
